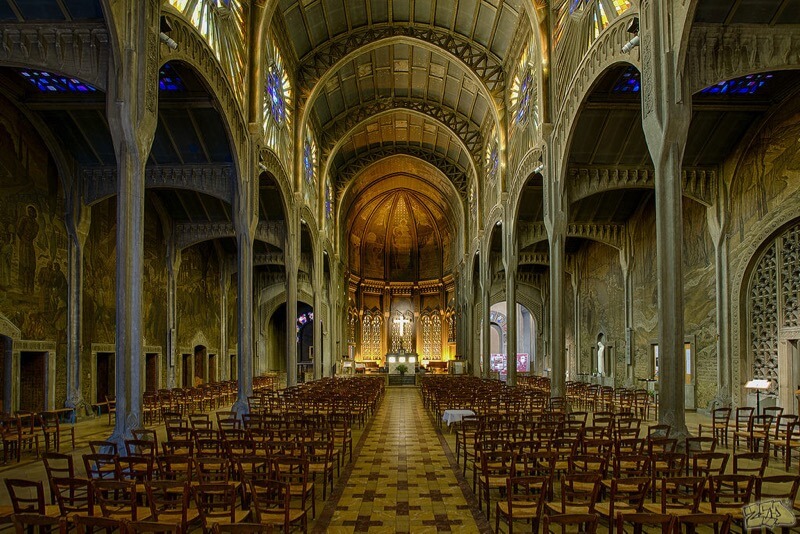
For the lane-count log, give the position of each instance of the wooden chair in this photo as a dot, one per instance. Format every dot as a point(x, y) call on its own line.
point(294, 472)
point(117, 499)
point(103, 447)
point(688, 523)
point(24, 523)
point(28, 435)
point(85, 524)
point(58, 465)
point(720, 420)
point(496, 468)
point(525, 498)
point(584, 523)
point(320, 462)
point(626, 497)
point(750, 463)
point(791, 443)
point(169, 503)
point(271, 502)
point(578, 494)
point(679, 496)
point(706, 464)
point(111, 404)
point(780, 487)
point(639, 521)
point(243, 528)
point(102, 466)
point(75, 496)
point(152, 527)
point(728, 494)
point(216, 503)
point(27, 497)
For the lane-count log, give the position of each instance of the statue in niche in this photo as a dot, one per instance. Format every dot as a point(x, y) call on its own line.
point(27, 230)
point(601, 355)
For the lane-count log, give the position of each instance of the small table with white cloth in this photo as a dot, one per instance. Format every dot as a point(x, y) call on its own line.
point(455, 416)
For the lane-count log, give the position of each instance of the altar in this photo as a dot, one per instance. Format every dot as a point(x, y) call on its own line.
point(395, 360)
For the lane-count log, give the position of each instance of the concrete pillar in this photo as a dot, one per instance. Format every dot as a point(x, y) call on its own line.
point(173, 268)
point(223, 362)
point(511, 324)
point(132, 104)
point(557, 335)
point(244, 258)
point(486, 327)
point(717, 226)
point(666, 116)
point(626, 264)
point(291, 312)
point(77, 221)
point(317, 283)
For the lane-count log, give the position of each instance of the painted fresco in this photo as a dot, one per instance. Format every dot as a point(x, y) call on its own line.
point(154, 298)
point(33, 239)
point(198, 298)
point(99, 283)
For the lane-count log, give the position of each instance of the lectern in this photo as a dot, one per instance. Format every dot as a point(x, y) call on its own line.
point(758, 386)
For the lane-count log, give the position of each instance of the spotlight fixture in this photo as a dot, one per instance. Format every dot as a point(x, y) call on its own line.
point(166, 27)
point(633, 27)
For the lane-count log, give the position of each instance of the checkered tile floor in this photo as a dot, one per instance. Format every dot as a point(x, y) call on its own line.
point(402, 479)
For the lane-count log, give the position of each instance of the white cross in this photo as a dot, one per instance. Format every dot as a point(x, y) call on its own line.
point(401, 322)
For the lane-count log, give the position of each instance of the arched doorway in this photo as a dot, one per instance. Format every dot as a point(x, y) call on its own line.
point(526, 339)
point(773, 316)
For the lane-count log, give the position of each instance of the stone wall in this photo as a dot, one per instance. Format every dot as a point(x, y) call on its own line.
point(198, 296)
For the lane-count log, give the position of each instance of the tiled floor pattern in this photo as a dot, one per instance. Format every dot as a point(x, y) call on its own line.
point(401, 481)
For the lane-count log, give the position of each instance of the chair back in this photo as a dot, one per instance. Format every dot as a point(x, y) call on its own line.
point(688, 523)
point(24, 523)
point(73, 495)
point(638, 521)
point(584, 523)
point(117, 498)
point(27, 496)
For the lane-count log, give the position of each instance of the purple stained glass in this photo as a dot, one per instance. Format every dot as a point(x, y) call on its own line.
point(746, 85)
point(47, 82)
point(328, 201)
point(629, 82)
point(168, 80)
point(275, 92)
point(308, 162)
point(525, 97)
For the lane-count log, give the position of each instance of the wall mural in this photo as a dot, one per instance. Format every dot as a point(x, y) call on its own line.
point(198, 295)
point(33, 239)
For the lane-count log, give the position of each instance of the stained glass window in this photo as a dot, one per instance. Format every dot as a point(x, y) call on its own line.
point(592, 17)
point(524, 92)
point(310, 160)
point(168, 80)
point(492, 159)
point(47, 82)
point(223, 24)
point(277, 100)
point(746, 85)
point(371, 336)
point(302, 321)
point(278, 106)
point(328, 199)
point(628, 82)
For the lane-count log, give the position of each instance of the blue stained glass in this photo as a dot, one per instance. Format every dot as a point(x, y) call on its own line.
point(746, 85)
point(47, 82)
point(525, 97)
point(328, 201)
point(308, 162)
point(168, 80)
point(275, 92)
point(576, 5)
point(629, 82)
point(302, 321)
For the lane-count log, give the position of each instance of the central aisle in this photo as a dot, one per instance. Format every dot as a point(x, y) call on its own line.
point(402, 481)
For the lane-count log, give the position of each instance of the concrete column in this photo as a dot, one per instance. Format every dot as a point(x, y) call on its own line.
point(557, 335)
point(244, 301)
point(717, 225)
point(511, 324)
point(173, 268)
point(132, 104)
point(486, 327)
point(291, 316)
point(223, 362)
point(317, 283)
point(576, 300)
point(626, 264)
point(666, 112)
point(78, 222)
